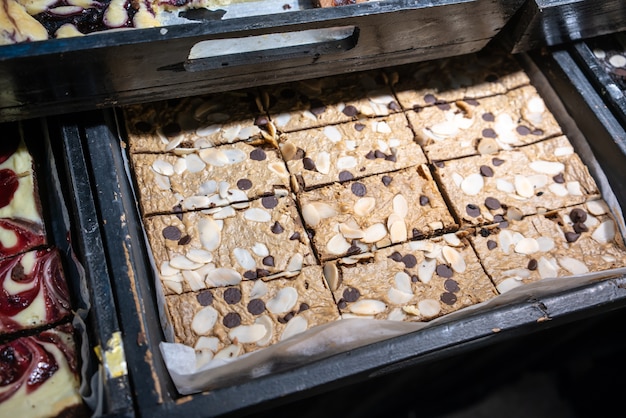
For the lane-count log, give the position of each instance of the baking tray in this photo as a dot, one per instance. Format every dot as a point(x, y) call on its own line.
point(573, 100)
point(71, 226)
point(556, 22)
point(122, 67)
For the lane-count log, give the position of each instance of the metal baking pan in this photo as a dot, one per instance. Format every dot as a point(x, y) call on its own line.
point(71, 226)
point(122, 67)
point(603, 60)
point(555, 22)
point(573, 100)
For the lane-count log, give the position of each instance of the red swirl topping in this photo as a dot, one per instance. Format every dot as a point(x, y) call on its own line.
point(8, 186)
point(30, 361)
point(45, 280)
point(29, 235)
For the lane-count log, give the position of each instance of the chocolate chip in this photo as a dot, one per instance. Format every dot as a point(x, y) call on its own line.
point(172, 233)
point(578, 215)
point(250, 275)
point(443, 106)
point(580, 227)
point(472, 210)
point(498, 218)
point(353, 250)
point(484, 232)
point(559, 178)
point(244, 184)
point(386, 180)
point(143, 127)
point(261, 120)
point(448, 298)
point(294, 236)
point(417, 234)
point(299, 154)
point(341, 304)
point(571, 236)
point(257, 154)
point(184, 240)
point(391, 157)
point(205, 298)
point(232, 320)
point(491, 244)
point(439, 164)
point(379, 154)
point(232, 295)
point(303, 307)
point(268, 261)
point(522, 130)
point(444, 271)
point(359, 127)
point(486, 171)
point(532, 264)
point(351, 294)
point(171, 129)
point(396, 256)
point(409, 261)
point(488, 117)
point(370, 155)
point(424, 200)
point(178, 211)
point(430, 99)
point(256, 306)
point(492, 203)
point(17, 273)
point(350, 111)
point(497, 161)
point(345, 175)
point(489, 133)
point(269, 202)
point(471, 102)
point(262, 273)
point(358, 189)
point(537, 132)
point(308, 164)
point(393, 106)
point(317, 107)
point(451, 286)
point(277, 228)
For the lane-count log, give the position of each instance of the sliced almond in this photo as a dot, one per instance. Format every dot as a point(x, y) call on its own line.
point(350, 230)
point(183, 263)
point(195, 202)
point(367, 307)
point(454, 258)
point(597, 207)
point(398, 297)
point(472, 184)
point(295, 263)
point(224, 212)
point(374, 233)
point(175, 286)
point(508, 284)
point(452, 239)
point(429, 308)
point(288, 150)
point(505, 186)
point(209, 187)
point(213, 156)
point(295, 326)
point(551, 168)
point(167, 270)
point(337, 245)
point(311, 216)
point(396, 314)
point(193, 163)
point(208, 130)
point(527, 246)
point(547, 267)
point(268, 324)
point(244, 258)
point(426, 270)
point(523, 186)
point(194, 280)
point(163, 167)
point(364, 206)
point(573, 188)
point(199, 256)
point(207, 343)
point(573, 265)
point(322, 162)
point(246, 334)
point(346, 163)
point(332, 133)
point(605, 232)
point(259, 289)
point(283, 301)
point(558, 189)
point(228, 352)
point(204, 320)
point(546, 244)
point(398, 232)
point(209, 232)
point(400, 205)
point(223, 277)
point(257, 215)
point(331, 274)
point(487, 146)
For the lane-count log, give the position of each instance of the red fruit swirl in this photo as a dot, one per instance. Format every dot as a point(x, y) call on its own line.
point(8, 186)
point(29, 235)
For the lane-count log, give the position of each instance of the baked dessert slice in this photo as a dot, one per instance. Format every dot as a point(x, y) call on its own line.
point(569, 241)
point(415, 281)
point(39, 375)
point(21, 220)
point(33, 291)
point(228, 321)
point(483, 126)
point(263, 238)
point(350, 150)
point(197, 122)
point(208, 177)
point(526, 180)
point(329, 100)
point(374, 212)
point(472, 76)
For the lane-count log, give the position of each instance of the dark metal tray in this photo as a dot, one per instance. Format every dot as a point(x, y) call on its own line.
point(102, 70)
point(555, 22)
point(132, 279)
